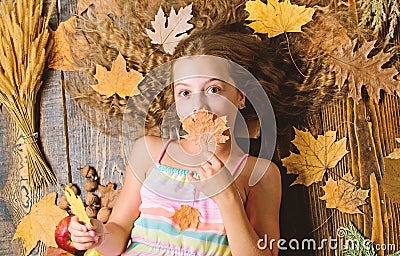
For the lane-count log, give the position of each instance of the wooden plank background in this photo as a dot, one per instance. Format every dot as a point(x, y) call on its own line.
point(69, 141)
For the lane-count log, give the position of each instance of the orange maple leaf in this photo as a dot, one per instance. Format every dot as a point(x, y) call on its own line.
point(63, 55)
point(102, 6)
point(187, 217)
point(40, 223)
point(343, 194)
point(118, 80)
point(203, 123)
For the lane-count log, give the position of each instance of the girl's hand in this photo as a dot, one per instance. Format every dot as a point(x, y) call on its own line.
point(213, 177)
point(85, 236)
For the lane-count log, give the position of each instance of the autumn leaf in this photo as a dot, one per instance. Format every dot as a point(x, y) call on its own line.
point(64, 55)
point(76, 205)
point(52, 251)
point(316, 156)
point(344, 195)
point(207, 125)
point(40, 224)
point(102, 6)
point(175, 31)
point(358, 70)
point(117, 80)
point(276, 18)
point(391, 178)
point(187, 217)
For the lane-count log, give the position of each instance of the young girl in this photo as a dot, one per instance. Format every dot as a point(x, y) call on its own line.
point(235, 215)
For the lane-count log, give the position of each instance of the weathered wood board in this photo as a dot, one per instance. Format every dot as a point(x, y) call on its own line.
point(70, 141)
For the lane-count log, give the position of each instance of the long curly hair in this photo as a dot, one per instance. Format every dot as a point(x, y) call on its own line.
point(219, 31)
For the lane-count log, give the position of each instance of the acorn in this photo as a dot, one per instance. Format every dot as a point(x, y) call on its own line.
point(63, 203)
point(92, 174)
point(91, 211)
point(90, 185)
point(85, 170)
point(104, 214)
point(73, 187)
point(92, 199)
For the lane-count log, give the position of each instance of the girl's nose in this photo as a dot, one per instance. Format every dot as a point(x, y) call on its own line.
point(199, 101)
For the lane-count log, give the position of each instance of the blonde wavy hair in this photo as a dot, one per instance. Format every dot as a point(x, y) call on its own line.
point(219, 30)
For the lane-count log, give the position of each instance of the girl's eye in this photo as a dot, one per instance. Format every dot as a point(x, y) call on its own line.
point(183, 93)
point(213, 90)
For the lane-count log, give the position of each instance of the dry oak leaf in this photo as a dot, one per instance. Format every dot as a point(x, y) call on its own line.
point(40, 223)
point(76, 205)
point(359, 70)
point(204, 123)
point(316, 156)
point(276, 18)
point(175, 31)
point(344, 195)
point(187, 217)
point(102, 6)
point(391, 178)
point(117, 80)
point(108, 194)
point(64, 55)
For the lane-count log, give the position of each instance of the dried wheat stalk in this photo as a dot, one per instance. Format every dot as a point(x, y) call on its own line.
point(23, 39)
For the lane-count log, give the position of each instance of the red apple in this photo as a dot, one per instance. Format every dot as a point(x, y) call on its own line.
point(62, 235)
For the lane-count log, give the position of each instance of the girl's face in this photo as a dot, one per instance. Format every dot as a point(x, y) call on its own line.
point(204, 82)
point(212, 94)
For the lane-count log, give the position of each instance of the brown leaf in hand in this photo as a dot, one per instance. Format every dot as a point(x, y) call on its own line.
point(76, 205)
point(117, 80)
point(344, 195)
point(40, 223)
point(316, 156)
point(187, 217)
point(359, 70)
point(64, 55)
point(108, 195)
point(204, 123)
point(102, 6)
point(175, 31)
point(391, 178)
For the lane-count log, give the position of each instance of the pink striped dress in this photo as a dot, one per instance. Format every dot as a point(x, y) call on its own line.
point(163, 192)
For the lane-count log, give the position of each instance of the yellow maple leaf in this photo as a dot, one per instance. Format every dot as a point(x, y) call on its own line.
point(63, 55)
point(76, 205)
point(276, 17)
point(118, 80)
point(344, 195)
point(187, 217)
point(316, 156)
point(204, 123)
point(40, 224)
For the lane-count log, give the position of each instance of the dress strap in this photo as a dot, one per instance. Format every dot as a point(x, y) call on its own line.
point(239, 163)
point(163, 150)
